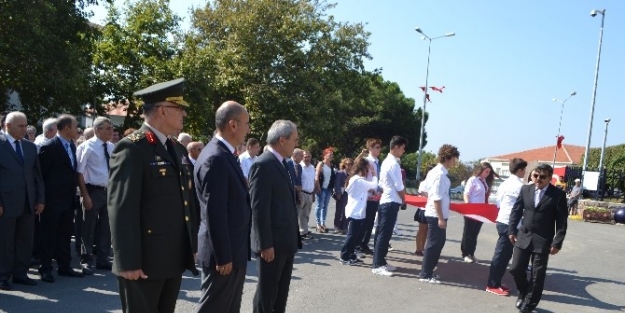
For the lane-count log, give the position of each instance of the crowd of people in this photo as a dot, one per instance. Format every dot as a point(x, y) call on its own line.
point(161, 203)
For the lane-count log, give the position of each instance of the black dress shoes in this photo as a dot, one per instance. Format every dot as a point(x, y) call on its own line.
point(87, 269)
point(104, 267)
point(70, 273)
point(519, 301)
point(25, 281)
point(46, 277)
point(4, 285)
point(526, 309)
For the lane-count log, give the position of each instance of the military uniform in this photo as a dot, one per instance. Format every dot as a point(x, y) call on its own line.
point(153, 218)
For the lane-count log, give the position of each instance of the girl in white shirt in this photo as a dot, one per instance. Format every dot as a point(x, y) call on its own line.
point(357, 192)
point(476, 190)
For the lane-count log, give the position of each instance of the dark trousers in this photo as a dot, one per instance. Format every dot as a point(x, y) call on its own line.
point(274, 280)
point(16, 243)
point(434, 245)
point(78, 220)
point(372, 208)
point(56, 229)
point(221, 293)
point(145, 295)
point(503, 254)
point(387, 216)
point(98, 217)
point(354, 233)
point(469, 236)
point(340, 221)
point(533, 289)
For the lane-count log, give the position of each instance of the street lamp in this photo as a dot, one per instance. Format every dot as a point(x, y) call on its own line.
point(593, 13)
point(425, 93)
point(605, 136)
point(555, 151)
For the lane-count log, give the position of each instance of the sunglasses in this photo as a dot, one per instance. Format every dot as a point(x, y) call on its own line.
point(540, 177)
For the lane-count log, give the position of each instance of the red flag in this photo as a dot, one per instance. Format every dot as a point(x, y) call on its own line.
point(482, 212)
point(560, 139)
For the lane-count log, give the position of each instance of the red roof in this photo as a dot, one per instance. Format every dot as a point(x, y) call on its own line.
point(568, 154)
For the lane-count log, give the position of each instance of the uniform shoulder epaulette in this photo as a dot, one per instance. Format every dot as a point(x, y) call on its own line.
point(136, 136)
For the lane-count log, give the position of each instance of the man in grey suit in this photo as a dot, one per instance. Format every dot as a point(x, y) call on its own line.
point(275, 232)
point(21, 198)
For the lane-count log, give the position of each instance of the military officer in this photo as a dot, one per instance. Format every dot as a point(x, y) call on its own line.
point(151, 205)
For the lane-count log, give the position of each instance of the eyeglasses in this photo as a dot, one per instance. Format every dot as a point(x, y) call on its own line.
point(540, 177)
point(181, 109)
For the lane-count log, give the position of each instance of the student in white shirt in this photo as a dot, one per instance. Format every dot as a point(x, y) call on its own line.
point(357, 191)
point(475, 191)
point(249, 156)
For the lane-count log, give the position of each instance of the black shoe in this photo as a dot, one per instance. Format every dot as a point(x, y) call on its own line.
point(25, 281)
point(34, 262)
point(519, 301)
point(70, 273)
point(526, 309)
point(46, 277)
point(366, 250)
point(5, 285)
point(87, 269)
point(104, 267)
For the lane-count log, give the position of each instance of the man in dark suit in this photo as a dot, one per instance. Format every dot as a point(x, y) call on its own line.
point(151, 203)
point(224, 236)
point(541, 233)
point(21, 198)
point(275, 233)
point(58, 169)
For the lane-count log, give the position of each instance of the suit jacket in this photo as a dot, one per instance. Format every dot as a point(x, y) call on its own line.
point(19, 183)
point(544, 225)
point(151, 207)
point(274, 213)
point(224, 234)
point(59, 175)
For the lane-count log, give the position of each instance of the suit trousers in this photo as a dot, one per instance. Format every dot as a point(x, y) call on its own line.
point(221, 293)
point(387, 216)
point(469, 236)
point(370, 211)
point(340, 221)
point(145, 295)
point(303, 212)
point(434, 245)
point(274, 280)
point(532, 289)
point(503, 254)
point(16, 243)
point(56, 227)
point(96, 216)
point(78, 220)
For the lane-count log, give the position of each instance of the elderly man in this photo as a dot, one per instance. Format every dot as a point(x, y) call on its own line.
point(21, 198)
point(194, 149)
point(184, 139)
point(49, 131)
point(307, 180)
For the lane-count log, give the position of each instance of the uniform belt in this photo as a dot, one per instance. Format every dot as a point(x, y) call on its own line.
point(306, 192)
point(95, 186)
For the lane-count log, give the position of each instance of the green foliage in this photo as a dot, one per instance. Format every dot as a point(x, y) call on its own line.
point(614, 157)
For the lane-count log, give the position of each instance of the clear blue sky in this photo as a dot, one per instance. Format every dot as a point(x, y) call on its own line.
point(506, 63)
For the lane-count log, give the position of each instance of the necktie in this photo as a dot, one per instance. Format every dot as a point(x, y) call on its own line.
point(106, 155)
point(377, 168)
point(70, 154)
point(171, 151)
point(236, 154)
point(537, 196)
point(18, 150)
point(287, 170)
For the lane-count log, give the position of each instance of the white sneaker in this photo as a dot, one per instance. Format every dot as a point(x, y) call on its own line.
point(430, 280)
point(397, 233)
point(382, 271)
point(474, 259)
point(468, 259)
point(390, 268)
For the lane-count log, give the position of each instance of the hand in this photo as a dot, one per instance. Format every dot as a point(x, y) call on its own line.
point(39, 208)
point(554, 251)
point(133, 275)
point(442, 223)
point(1, 211)
point(338, 197)
point(512, 239)
point(267, 254)
point(86, 202)
point(224, 269)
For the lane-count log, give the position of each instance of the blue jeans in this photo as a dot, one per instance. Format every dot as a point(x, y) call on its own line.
point(354, 233)
point(387, 216)
point(434, 245)
point(503, 254)
point(321, 211)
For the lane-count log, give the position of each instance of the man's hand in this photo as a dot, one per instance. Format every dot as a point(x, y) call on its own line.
point(86, 202)
point(133, 275)
point(39, 208)
point(224, 269)
point(1, 211)
point(512, 239)
point(267, 255)
point(442, 223)
point(554, 251)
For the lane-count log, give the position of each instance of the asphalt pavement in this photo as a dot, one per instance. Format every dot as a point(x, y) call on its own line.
point(586, 276)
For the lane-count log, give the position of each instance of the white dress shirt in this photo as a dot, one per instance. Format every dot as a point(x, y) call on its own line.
point(438, 185)
point(92, 161)
point(507, 193)
point(476, 189)
point(246, 163)
point(308, 177)
point(357, 193)
point(391, 180)
point(375, 164)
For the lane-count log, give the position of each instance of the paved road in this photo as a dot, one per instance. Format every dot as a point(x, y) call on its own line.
point(587, 276)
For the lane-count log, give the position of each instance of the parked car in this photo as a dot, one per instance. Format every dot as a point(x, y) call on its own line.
point(456, 192)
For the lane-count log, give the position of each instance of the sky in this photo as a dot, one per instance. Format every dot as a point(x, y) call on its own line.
point(501, 70)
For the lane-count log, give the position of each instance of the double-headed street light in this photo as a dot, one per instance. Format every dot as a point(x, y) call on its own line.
point(555, 151)
point(425, 94)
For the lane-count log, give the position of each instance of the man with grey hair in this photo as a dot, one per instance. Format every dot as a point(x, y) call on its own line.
point(275, 235)
point(49, 131)
point(93, 176)
point(184, 139)
point(194, 149)
point(308, 194)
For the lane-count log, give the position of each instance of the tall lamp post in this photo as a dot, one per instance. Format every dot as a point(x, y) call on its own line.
point(555, 151)
point(593, 13)
point(601, 171)
point(425, 93)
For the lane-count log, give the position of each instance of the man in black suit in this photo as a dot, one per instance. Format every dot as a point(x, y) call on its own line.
point(21, 198)
point(151, 204)
point(224, 235)
point(275, 233)
point(58, 169)
point(541, 233)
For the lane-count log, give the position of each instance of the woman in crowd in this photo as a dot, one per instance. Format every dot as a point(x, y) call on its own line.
point(475, 191)
point(324, 182)
point(422, 233)
point(340, 180)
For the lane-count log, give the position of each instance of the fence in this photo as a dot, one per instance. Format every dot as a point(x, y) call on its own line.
point(611, 183)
